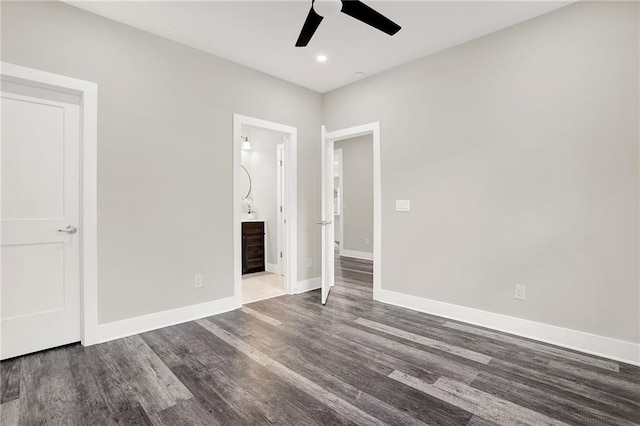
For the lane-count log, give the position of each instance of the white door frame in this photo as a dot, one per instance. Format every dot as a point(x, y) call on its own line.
point(280, 167)
point(88, 93)
point(290, 206)
point(352, 132)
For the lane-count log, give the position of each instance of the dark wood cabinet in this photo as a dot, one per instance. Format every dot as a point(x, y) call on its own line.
point(252, 247)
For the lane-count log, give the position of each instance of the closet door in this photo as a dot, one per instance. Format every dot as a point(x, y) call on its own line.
point(40, 217)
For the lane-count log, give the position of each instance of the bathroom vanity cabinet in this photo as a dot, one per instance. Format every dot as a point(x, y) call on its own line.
point(253, 247)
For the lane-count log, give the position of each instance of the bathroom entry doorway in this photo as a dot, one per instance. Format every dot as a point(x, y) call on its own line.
point(265, 209)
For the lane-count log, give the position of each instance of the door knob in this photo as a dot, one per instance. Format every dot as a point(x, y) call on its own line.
point(69, 229)
point(325, 223)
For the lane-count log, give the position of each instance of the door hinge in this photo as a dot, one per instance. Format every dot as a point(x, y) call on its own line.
point(280, 209)
point(280, 163)
point(280, 254)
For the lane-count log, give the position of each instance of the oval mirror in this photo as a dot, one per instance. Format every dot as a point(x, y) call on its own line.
point(245, 183)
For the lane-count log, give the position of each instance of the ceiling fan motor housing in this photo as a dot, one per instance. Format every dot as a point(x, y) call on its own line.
point(326, 8)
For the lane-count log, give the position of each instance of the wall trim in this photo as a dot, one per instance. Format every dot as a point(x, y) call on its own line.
point(357, 254)
point(308, 285)
point(606, 347)
point(130, 326)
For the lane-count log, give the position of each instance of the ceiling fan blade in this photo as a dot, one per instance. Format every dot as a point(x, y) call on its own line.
point(309, 28)
point(362, 12)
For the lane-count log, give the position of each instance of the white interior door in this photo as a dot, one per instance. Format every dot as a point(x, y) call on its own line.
point(327, 221)
point(39, 242)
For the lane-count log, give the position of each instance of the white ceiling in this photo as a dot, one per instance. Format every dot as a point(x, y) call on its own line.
point(262, 34)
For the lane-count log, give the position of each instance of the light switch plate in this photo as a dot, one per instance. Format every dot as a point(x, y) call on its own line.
point(403, 205)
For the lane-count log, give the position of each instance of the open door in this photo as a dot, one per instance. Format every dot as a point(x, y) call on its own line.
point(327, 220)
point(328, 201)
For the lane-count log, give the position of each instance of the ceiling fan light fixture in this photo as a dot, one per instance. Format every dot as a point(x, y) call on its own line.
point(326, 8)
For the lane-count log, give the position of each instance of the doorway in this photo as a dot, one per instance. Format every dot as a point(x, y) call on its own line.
point(49, 286)
point(332, 216)
point(353, 194)
point(265, 209)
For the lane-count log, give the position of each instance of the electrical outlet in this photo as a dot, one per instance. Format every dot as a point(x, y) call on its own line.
point(309, 262)
point(198, 280)
point(520, 292)
point(367, 241)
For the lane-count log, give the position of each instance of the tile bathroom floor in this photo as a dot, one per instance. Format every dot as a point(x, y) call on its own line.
point(261, 285)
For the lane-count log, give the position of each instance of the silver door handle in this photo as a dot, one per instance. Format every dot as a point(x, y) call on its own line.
point(69, 229)
point(325, 223)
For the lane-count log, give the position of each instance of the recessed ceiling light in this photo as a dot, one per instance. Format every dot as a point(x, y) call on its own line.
point(321, 58)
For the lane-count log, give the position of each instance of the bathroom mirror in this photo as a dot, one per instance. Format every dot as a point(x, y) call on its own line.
point(245, 182)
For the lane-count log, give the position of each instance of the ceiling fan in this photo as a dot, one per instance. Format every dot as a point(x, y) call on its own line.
point(354, 8)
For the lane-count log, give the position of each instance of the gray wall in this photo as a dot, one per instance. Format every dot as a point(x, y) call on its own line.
point(260, 161)
point(164, 152)
point(357, 187)
point(519, 153)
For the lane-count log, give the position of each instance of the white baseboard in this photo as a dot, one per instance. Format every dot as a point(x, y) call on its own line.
point(357, 254)
point(606, 347)
point(272, 268)
point(141, 324)
point(308, 285)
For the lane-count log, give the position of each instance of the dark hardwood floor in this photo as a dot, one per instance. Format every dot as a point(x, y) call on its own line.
point(289, 360)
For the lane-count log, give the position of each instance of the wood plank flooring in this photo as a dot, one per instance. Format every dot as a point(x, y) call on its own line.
point(289, 360)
